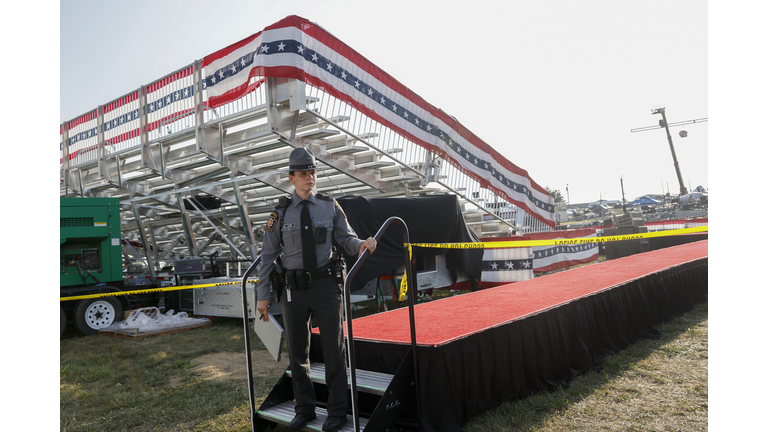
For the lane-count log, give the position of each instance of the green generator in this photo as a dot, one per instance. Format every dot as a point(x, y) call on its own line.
point(90, 261)
point(90, 250)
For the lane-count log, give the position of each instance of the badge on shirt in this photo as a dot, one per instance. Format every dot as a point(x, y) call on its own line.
point(271, 221)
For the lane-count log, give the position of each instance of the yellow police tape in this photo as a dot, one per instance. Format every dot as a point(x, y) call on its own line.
point(559, 242)
point(403, 283)
point(153, 290)
point(551, 242)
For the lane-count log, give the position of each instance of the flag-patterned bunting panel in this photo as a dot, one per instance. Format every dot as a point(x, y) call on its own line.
point(297, 48)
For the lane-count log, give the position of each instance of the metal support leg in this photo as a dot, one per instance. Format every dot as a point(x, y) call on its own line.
point(232, 248)
point(244, 217)
point(143, 237)
point(154, 248)
point(185, 223)
point(229, 242)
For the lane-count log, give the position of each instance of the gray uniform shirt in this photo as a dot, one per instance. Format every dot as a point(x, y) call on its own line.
point(325, 213)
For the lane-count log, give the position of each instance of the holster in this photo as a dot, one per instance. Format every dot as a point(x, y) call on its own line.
point(339, 266)
point(277, 279)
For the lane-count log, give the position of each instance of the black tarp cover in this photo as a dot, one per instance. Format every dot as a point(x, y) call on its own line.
point(430, 219)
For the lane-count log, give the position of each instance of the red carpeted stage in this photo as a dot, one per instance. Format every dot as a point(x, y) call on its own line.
point(479, 349)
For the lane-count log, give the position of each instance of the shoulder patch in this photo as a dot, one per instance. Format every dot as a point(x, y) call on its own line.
point(271, 221)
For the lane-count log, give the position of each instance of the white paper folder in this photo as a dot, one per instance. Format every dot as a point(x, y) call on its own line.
point(271, 334)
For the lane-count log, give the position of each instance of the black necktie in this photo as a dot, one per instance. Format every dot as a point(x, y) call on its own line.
point(307, 239)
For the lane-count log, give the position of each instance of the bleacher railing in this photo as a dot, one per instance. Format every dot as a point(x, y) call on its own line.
point(167, 107)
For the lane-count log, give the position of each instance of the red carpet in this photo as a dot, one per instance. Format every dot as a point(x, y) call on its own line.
point(442, 321)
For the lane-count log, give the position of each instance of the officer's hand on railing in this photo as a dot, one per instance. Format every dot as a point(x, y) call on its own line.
point(263, 307)
point(369, 243)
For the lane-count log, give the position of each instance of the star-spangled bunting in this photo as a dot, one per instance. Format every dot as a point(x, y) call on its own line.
point(133, 115)
point(296, 48)
point(548, 258)
point(506, 265)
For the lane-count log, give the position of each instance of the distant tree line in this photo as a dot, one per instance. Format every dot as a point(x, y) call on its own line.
point(555, 194)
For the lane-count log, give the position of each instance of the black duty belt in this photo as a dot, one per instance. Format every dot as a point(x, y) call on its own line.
point(312, 276)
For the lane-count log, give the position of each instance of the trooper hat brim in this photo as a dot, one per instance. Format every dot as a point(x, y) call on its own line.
point(301, 159)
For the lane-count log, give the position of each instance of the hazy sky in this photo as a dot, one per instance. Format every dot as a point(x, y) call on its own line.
point(554, 86)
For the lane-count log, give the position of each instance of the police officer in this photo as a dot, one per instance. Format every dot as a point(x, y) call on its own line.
point(301, 231)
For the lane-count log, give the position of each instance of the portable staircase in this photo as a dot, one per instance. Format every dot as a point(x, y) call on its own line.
point(390, 395)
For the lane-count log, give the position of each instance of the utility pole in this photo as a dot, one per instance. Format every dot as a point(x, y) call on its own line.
point(663, 124)
point(623, 200)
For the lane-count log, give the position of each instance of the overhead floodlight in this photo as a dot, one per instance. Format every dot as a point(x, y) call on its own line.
point(683, 133)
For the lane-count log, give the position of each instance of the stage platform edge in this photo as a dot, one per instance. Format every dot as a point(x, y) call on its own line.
point(542, 351)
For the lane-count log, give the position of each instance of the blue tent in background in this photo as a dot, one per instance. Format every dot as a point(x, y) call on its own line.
point(644, 201)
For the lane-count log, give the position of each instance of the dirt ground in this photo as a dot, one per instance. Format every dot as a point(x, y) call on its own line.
point(229, 366)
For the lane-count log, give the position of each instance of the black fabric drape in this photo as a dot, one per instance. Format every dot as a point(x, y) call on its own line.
point(430, 219)
point(464, 378)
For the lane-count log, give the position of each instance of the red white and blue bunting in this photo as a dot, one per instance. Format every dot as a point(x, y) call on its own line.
point(296, 48)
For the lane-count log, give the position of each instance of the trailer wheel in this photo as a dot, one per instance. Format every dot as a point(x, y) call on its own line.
point(63, 320)
point(92, 315)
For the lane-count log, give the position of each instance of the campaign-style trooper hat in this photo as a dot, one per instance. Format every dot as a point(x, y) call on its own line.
point(301, 159)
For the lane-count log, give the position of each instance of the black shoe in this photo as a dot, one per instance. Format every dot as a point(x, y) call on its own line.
point(334, 424)
point(300, 421)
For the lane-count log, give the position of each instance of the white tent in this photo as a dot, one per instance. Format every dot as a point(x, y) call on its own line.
point(644, 200)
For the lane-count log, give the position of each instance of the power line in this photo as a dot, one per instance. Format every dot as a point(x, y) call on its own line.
point(660, 125)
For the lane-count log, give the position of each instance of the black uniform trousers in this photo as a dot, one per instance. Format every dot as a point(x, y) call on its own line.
point(322, 303)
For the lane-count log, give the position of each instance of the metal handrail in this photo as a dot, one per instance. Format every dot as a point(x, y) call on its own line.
point(411, 282)
point(246, 329)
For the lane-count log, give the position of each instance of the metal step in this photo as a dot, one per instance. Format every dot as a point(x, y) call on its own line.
point(284, 413)
point(367, 381)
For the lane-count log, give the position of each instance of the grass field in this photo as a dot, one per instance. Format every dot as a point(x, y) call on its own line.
point(195, 381)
